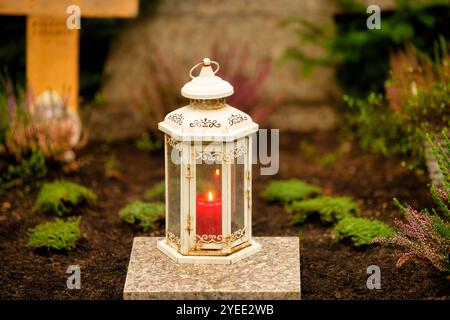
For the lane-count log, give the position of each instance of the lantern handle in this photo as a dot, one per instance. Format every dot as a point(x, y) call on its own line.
point(206, 63)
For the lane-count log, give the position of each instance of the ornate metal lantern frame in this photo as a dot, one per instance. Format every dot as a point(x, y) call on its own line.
point(208, 168)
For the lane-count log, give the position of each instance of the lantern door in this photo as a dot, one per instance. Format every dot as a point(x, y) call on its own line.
point(220, 197)
point(207, 198)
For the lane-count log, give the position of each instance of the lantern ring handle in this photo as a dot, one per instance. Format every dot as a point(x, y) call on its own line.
point(206, 62)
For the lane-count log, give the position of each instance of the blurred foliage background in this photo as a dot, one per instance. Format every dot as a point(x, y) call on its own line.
point(361, 56)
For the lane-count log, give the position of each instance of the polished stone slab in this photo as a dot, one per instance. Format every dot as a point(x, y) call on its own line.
point(271, 273)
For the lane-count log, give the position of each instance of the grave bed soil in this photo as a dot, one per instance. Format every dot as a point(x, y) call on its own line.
point(328, 270)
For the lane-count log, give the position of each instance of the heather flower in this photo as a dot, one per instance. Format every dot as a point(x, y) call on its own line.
point(442, 194)
point(424, 235)
point(31, 131)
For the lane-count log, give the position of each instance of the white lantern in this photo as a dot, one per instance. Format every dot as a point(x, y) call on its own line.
point(208, 158)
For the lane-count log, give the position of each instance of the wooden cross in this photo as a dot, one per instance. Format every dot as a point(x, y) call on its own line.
point(51, 47)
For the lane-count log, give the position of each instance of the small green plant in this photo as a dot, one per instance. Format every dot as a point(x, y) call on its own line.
point(157, 192)
point(112, 167)
point(307, 148)
point(361, 231)
point(62, 197)
point(330, 209)
point(57, 235)
point(23, 173)
point(328, 159)
point(286, 191)
point(146, 214)
point(147, 144)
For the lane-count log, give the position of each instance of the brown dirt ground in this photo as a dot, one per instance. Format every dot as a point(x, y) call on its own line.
point(328, 270)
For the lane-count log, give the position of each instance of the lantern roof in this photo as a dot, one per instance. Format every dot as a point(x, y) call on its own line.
point(191, 123)
point(206, 85)
point(207, 117)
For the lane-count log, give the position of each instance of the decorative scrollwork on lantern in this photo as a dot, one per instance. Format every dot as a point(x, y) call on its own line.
point(219, 156)
point(173, 240)
point(174, 143)
point(209, 156)
point(176, 118)
point(235, 153)
point(205, 123)
point(210, 103)
point(209, 238)
point(236, 118)
point(238, 234)
point(227, 240)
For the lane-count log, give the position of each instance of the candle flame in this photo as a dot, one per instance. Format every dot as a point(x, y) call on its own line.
point(217, 172)
point(210, 196)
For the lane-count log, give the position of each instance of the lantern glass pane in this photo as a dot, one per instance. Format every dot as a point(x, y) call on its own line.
point(237, 194)
point(209, 201)
point(173, 184)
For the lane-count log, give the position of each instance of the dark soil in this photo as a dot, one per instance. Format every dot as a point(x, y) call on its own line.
point(328, 270)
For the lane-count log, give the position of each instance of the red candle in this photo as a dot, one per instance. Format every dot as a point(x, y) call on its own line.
point(209, 215)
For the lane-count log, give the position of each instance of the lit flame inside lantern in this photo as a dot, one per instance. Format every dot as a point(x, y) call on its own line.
point(210, 196)
point(217, 172)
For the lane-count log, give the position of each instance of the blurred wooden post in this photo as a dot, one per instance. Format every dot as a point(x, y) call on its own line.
point(51, 48)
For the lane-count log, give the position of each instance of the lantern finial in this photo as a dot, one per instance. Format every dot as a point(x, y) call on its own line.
point(206, 62)
point(206, 85)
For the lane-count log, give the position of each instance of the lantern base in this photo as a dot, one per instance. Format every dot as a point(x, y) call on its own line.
point(271, 274)
point(173, 254)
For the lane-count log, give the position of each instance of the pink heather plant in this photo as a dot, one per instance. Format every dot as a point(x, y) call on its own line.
point(29, 131)
point(422, 238)
point(422, 234)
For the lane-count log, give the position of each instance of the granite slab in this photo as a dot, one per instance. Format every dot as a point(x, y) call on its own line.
point(270, 274)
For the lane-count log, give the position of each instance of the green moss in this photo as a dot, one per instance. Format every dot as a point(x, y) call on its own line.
point(330, 209)
point(62, 197)
point(146, 214)
point(286, 191)
point(361, 231)
point(57, 234)
point(156, 192)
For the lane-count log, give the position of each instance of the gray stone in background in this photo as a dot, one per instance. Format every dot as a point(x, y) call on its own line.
point(183, 32)
point(273, 273)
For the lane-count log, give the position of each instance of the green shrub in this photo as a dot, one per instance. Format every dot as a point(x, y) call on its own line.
point(286, 191)
point(57, 234)
point(375, 126)
point(417, 102)
point(348, 45)
point(146, 214)
point(156, 192)
point(62, 197)
point(361, 231)
point(22, 173)
point(330, 209)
